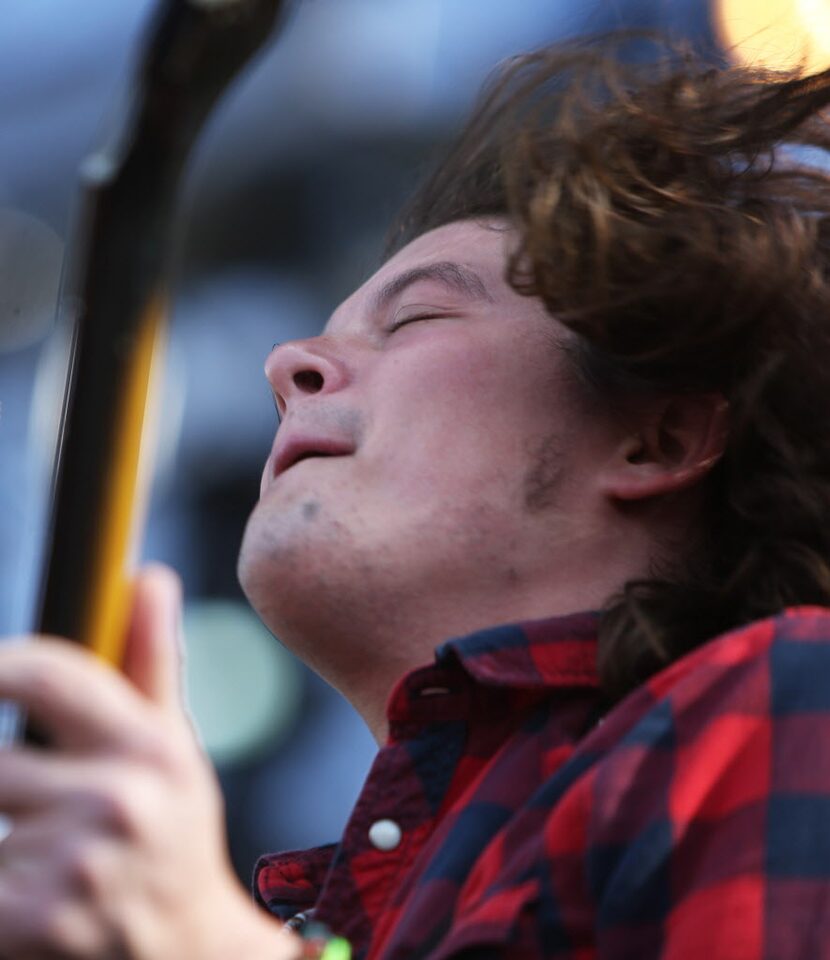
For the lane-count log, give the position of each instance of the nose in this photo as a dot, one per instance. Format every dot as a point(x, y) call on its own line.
point(302, 368)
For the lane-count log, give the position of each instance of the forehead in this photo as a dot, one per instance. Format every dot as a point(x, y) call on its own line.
point(471, 256)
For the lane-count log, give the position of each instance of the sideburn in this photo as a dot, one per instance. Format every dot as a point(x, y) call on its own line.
point(544, 473)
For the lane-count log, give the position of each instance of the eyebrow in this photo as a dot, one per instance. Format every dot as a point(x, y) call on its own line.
point(454, 276)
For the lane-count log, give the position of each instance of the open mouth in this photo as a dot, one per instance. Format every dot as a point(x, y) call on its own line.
point(295, 452)
point(307, 456)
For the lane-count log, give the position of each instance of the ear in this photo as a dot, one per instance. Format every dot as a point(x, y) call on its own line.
point(676, 443)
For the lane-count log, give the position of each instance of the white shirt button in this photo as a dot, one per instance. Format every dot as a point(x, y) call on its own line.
point(385, 835)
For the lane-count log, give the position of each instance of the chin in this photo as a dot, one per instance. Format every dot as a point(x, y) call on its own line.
point(290, 594)
point(260, 560)
point(265, 590)
point(289, 558)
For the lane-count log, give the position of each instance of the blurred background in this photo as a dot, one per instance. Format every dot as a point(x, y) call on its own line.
point(283, 213)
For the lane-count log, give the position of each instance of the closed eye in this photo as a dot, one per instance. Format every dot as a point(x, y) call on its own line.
point(412, 314)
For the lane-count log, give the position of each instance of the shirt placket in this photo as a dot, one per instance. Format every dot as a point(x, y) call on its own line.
point(395, 814)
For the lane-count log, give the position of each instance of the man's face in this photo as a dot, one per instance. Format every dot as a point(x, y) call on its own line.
point(420, 469)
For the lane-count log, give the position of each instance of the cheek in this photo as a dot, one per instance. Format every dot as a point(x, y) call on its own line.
point(466, 417)
point(445, 377)
point(450, 395)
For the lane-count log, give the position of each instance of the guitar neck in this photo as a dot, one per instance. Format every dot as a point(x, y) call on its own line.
point(115, 294)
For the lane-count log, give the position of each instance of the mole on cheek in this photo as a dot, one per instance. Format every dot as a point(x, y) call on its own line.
point(310, 509)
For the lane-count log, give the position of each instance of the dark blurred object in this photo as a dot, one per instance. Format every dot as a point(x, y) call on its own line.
point(116, 295)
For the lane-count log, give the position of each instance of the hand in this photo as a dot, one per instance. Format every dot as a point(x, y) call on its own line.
point(117, 847)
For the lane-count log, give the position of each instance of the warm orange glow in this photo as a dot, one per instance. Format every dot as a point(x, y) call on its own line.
point(779, 34)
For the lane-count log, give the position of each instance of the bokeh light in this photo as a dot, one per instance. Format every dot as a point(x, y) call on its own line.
point(778, 34)
point(243, 688)
point(31, 255)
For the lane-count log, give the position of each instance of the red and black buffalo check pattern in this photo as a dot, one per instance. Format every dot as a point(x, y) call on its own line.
point(692, 821)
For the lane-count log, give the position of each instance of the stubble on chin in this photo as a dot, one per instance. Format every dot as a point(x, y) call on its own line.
point(276, 538)
point(318, 589)
point(294, 561)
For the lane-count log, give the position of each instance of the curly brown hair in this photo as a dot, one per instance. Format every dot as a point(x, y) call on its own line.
point(674, 215)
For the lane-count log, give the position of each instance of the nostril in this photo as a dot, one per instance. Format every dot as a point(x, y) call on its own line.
point(309, 381)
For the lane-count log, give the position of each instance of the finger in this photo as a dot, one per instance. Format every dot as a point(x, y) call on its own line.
point(39, 841)
point(78, 700)
point(34, 780)
point(39, 924)
point(152, 658)
point(29, 781)
point(46, 874)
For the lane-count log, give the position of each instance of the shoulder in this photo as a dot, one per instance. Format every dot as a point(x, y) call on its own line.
point(780, 663)
point(733, 720)
point(734, 704)
point(711, 796)
point(721, 734)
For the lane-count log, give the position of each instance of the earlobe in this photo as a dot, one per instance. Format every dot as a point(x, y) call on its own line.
point(678, 442)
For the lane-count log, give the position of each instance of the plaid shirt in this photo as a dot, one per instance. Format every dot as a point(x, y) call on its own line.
point(692, 821)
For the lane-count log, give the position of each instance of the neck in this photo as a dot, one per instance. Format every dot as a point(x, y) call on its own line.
point(363, 633)
point(364, 654)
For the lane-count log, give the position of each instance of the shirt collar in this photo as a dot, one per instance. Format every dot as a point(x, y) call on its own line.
point(537, 654)
point(559, 652)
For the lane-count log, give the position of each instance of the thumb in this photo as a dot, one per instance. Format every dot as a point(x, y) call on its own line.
point(153, 655)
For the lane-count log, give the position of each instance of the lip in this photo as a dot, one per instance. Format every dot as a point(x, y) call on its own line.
point(299, 447)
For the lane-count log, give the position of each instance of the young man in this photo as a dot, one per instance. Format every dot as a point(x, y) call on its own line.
point(575, 422)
